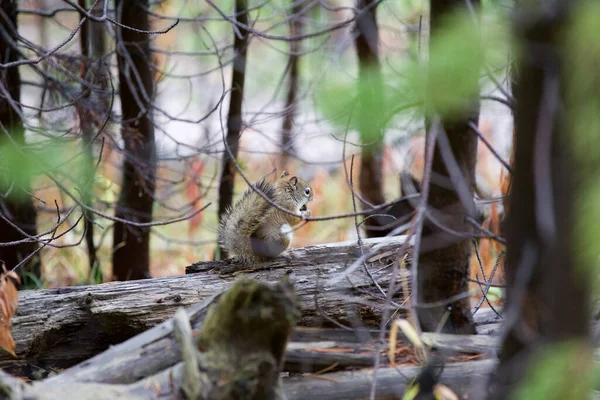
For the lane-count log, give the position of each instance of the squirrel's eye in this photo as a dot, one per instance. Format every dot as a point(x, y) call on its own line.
point(307, 191)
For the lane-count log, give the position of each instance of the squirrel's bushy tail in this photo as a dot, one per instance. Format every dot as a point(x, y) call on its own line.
point(242, 219)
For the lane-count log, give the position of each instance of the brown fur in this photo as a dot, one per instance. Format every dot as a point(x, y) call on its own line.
point(251, 230)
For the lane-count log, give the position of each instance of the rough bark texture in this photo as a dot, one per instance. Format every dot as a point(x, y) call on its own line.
point(17, 206)
point(154, 356)
point(237, 354)
point(234, 117)
point(97, 40)
point(370, 177)
point(154, 350)
point(540, 259)
point(50, 323)
point(131, 256)
point(287, 144)
point(87, 135)
point(462, 378)
point(444, 257)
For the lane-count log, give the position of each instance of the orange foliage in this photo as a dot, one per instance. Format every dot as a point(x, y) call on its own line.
point(8, 305)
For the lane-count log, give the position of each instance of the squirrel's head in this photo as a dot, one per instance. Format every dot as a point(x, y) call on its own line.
point(298, 189)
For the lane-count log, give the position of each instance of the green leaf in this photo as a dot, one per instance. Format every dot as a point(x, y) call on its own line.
point(18, 166)
point(455, 60)
point(559, 371)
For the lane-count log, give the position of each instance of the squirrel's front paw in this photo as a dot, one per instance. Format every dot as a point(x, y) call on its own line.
point(306, 214)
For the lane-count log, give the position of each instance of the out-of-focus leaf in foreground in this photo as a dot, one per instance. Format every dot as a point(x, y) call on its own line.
point(18, 166)
point(583, 99)
point(560, 371)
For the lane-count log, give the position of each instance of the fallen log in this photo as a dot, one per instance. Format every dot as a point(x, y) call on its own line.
point(248, 327)
point(465, 379)
point(156, 350)
point(61, 327)
point(237, 354)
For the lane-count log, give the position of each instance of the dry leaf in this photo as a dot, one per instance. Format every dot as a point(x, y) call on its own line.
point(193, 194)
point(9, 299)
point(443, 392)
point(411, 334)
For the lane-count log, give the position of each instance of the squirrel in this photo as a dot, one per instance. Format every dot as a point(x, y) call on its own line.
point(252, 230)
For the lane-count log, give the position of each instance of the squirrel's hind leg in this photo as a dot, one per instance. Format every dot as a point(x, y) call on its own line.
point(269, 247)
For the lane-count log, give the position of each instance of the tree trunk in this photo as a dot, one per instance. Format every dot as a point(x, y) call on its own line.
point(296, 28)
point(131, 256)
point(443, 268)
point(17, 204)
point(370, 81)
point(234, 118)
point(86, 127)
point(540, 258)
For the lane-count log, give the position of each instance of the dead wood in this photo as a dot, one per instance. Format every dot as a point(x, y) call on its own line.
point(61, 327)
point(463, 378)
point(237, 354)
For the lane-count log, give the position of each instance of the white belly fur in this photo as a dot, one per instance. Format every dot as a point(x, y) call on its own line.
point(287, 230)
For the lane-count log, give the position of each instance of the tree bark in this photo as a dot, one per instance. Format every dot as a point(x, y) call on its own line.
point(540, 258)
point(370, 129)
point(50, 324)
point(131, 255)
point(234, 117)
point(16, 204)
point(236, 329)
point(443, 268)
point(87, 136)
point(296, 28)
point(237, 353)
point(461, 378)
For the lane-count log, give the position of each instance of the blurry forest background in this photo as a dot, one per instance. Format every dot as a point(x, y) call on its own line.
point(66, 98)
point(127, 127)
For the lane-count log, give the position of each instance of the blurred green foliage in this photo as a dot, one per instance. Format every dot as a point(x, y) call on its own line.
point(559, 371)
point(19, 165)
point(583, 76)
point(448, 80)
point(568, 370)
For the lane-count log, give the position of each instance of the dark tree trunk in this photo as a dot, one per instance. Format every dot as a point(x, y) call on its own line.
point(97, 41)
point(370, 176)
point(17, 206)
point(87, 136)
point(131, 256)
point(101, 75)
point(287, 144)
point(234, 118)
point(540, 260)
point(445, 257)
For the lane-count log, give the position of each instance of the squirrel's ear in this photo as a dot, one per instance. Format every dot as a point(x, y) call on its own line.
point(294, 181)
point(284, 173)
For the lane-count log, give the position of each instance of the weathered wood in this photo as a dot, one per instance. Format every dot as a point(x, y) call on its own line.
point(462, 378)
point(242, 343)
point(462, 343)
point(335, 354)
point(156, 350)
point(486, 320)
point(465, 379)
point(51, 325)
point(330, 256)
point(143, 355)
